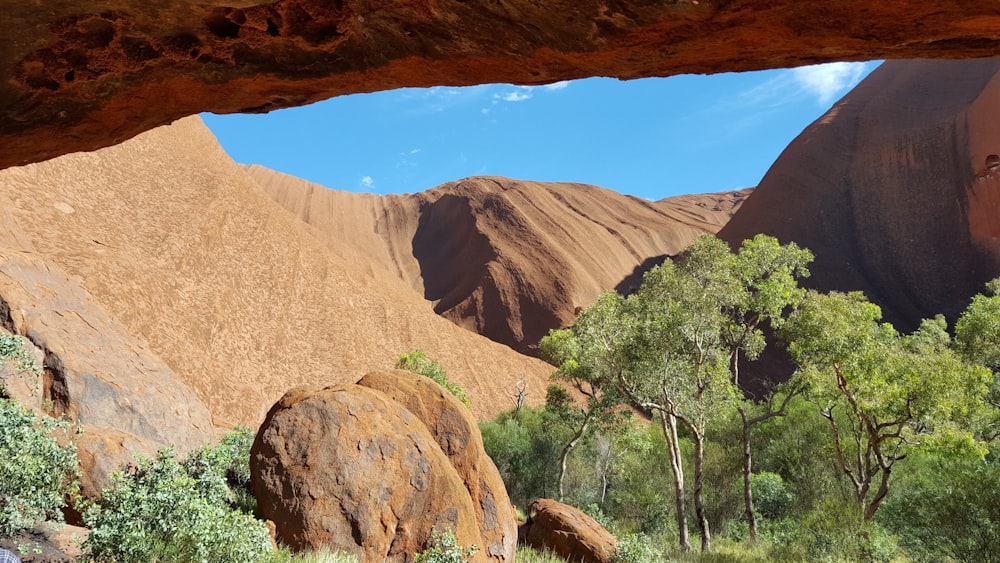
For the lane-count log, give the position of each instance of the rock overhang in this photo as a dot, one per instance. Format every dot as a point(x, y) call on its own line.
point(80, 74)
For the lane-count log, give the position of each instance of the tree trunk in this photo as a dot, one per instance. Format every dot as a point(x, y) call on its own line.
point(699, 504)
point(883, 490)
point(565, 454)
point(669, 424)
point(747, 475)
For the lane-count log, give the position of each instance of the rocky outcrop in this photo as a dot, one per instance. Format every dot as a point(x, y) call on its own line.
point(568, 532)
point(505, 258)
point(81, 74)
point(239, 298)
point(456, 432)
point(95, 371)
point(896, 189)
point(48, 542)
point(348, 468)
point(104, 451)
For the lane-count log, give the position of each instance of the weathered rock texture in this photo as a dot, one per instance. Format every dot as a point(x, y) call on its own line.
point(896, 189)
point(104, 451)
point(95, 371)
point(184, 251)
point(80, 74)
point(348, 468)
point(568, 532)
point(507, 259)
point(456, 432)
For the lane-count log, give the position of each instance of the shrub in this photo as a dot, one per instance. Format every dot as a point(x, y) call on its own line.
point(445, 549)
point(36, 473)
point(418, 362)
point(771, 497)
point(160, 512)
point(222, 472)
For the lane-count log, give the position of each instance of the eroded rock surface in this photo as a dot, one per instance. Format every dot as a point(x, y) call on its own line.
point(896, 189)
point(568, 532)
point(80, 74)
point(456, 432)
point(238, 297)
point(95, 371)
point(505, 258)
point(348, 468)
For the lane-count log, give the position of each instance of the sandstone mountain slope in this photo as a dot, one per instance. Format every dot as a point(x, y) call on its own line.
point(896, 189)
point(237, 296)
point(507, 259)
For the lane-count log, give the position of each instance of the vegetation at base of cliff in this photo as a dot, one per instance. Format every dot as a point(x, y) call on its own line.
point(418, 362)
point(882, 447)
point(174, 511)
point(37, 473)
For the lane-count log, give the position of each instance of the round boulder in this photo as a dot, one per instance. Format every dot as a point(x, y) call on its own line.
point(345, 467)
point(455, 430)
point(568, 532)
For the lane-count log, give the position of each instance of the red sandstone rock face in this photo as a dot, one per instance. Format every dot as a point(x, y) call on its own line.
point(348, 468)
point(456, 432)
point(194, 264)
point(95, 371)
point(79, 74)
point(896, 189)
point(568, 532)
point(505, 258)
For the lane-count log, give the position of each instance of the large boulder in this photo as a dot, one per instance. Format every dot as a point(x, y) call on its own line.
point(348, 468)
point(80, 74)
point(455, 430)
point(568, 532)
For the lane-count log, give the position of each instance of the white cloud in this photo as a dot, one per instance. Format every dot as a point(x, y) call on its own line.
point(557, 85)
point(367, 182)
point(517, 95)
point(827, 81)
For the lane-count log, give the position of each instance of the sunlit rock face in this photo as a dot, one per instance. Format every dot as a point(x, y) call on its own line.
point(79, 75)
point(896, 189)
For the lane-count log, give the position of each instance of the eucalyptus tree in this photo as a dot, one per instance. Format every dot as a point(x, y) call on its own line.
point(680, 363)
point(882, 393)
point(767, 288)
point(977, 338)
point(588, 355)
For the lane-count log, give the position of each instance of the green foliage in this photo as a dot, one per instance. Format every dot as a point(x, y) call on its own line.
point(525, 450)
point(222, 472)
point(12, 349)
point(36, 473)
point(418, 362)
point(444, 548)
point(529, 555)
point(883, 394)
point(947, 507)
point(771, 496)
point(159, 511)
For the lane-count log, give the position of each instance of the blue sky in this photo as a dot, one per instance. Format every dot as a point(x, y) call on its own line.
point(652, 138)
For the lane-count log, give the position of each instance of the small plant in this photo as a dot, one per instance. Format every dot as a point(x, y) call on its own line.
point(36, 473)
point(418, 362)
point(445, 549)
point(12, 349)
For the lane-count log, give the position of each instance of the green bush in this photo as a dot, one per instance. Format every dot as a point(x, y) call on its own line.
point(418, 362)
point(525, 450)
point(445, 549)
point(771, 498)
point(36, 473)
point(222, 472)
point(160, 512)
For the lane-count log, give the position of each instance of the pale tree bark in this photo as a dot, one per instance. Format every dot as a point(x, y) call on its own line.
point(669, 424)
